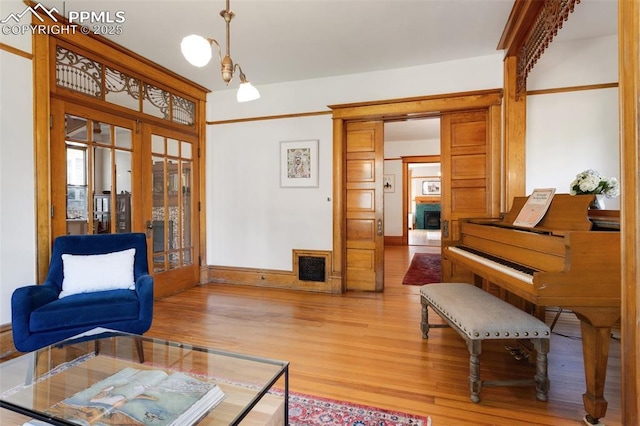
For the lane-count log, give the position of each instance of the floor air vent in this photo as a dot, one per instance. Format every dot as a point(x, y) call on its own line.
point(311, 268)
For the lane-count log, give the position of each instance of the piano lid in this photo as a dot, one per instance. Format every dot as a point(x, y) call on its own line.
point(566, 213)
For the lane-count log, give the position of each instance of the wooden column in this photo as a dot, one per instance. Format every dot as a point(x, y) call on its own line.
point(629, 95)
point(515, 118)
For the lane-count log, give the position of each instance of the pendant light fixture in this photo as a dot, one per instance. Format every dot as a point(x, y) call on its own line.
point(197, 50)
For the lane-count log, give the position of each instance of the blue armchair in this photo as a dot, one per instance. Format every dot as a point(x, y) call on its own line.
point(43, 314)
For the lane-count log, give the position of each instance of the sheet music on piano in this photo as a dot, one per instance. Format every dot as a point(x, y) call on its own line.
point(535, 208)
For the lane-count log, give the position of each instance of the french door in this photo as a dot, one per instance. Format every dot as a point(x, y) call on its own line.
point(170, 206)
point(112, 174)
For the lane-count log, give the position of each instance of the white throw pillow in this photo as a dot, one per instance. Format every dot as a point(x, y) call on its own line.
point(97, 272)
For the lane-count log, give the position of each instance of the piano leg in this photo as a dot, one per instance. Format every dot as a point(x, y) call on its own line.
point(595, 326)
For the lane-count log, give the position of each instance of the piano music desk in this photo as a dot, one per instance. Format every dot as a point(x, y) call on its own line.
point(477, 315)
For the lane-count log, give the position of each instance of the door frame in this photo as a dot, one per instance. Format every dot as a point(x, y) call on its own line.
point(388, 110)
point(45, 89)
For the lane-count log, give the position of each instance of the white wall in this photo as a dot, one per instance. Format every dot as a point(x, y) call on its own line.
point(393, 199)
point(573, 131)
point(17, 195)
point(251, 221)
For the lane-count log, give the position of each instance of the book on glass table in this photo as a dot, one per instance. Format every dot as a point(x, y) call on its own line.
point(140, 397)
point(535, 208)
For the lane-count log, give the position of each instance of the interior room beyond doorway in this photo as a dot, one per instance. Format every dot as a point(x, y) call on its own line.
point(424, 192)
point(410, 144)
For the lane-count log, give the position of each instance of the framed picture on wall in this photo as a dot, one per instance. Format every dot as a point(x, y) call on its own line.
point(299, 164)
point(431, 187)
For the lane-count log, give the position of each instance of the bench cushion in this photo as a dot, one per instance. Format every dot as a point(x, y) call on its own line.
point(481, 315)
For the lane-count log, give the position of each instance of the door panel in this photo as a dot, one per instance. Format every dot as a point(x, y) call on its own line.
point(364, 206)
point(170, 209)
point(470, 172)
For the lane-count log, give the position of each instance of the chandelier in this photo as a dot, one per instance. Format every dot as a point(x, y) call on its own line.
point(197, 50)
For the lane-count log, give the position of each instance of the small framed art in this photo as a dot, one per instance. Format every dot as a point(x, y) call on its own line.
point(299, 163)
point(431, 187)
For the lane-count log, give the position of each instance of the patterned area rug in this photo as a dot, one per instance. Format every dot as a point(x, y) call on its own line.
point(425, 268)
point(306, 410)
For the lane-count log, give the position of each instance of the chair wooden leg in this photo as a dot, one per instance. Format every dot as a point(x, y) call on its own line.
point(140, 350)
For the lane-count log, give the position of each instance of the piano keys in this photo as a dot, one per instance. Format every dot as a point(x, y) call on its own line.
point(564, 261)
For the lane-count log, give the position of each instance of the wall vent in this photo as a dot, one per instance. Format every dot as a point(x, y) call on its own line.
point(312, 268)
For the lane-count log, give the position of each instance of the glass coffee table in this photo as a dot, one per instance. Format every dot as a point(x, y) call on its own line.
point(255, 390)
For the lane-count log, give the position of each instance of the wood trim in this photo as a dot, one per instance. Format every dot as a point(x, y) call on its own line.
point(572, 89)
point(41, 114)
point(413, 99)
point(269, 278)
point(629, 98)
point(394, 108)
point(421, 159)
point(339, 200)
point(269, 117)
point(521, 19)
point(394, 240)
point(15, 51)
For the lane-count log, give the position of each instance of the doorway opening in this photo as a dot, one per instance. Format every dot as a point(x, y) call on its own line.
point(412, 205)
point(425, 207)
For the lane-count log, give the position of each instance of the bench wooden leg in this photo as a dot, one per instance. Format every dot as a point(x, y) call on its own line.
point(542, 377)
point(424, 325)
point(475, 384)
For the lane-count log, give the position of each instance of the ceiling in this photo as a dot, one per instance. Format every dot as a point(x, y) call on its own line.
point(284, 40)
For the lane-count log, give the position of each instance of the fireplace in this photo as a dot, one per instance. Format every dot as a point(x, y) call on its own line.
point(431, 219)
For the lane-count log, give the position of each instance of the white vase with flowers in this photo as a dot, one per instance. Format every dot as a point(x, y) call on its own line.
point(592, 182)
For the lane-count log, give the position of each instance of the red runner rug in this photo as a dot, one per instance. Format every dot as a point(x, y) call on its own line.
point(425, 268)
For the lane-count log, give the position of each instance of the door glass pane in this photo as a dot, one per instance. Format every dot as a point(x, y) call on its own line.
point(157, 144)
point(173, 204)
point(122, 137)
point(123, 191)
point(186, 150)
point(102, 191)
point(173, 147)
point(102, 170)
point(75, 128)
point(77, 206)
point(185, 216)
point(158, 214)
point(101, 132)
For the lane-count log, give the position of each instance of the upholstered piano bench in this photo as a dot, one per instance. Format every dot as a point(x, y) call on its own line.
point(477, 315)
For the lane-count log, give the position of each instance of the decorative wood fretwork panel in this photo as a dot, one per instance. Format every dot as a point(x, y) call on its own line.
point(87, 76)
point(544, 29)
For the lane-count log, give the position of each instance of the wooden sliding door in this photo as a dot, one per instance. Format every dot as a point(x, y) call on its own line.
point(364, 206)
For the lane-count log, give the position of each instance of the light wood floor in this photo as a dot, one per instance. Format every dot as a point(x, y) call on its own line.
point(367, 348)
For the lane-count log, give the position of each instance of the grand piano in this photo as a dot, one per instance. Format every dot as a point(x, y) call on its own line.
point(568, 260)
